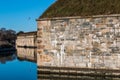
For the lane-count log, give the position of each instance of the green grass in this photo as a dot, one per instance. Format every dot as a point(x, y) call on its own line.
point(69, 8)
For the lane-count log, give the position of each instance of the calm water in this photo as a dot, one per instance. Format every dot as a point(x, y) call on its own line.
point(14, 68)
point(21, 65)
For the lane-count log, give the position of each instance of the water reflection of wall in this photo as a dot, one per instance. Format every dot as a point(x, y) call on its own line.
point(26, 53)
point(71, 73)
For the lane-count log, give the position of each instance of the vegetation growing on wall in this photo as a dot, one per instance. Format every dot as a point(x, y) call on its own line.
point(68, 8)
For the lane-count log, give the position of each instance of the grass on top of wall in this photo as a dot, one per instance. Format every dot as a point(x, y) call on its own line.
point(69, 8)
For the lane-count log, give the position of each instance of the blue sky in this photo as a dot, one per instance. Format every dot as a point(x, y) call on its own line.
point(20, 15)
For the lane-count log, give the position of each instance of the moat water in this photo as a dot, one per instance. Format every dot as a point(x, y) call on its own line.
point(21, 65)
point(13, 67)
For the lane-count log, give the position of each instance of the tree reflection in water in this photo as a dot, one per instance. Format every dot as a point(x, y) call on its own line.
point(7, 56)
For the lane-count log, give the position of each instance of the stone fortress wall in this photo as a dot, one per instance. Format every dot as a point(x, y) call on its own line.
point(93, 40)
point(28, 39)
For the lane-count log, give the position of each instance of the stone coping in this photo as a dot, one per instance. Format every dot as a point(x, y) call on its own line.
point(78, 17)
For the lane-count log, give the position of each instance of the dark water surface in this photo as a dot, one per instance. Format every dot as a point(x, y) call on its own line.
point(12, 68)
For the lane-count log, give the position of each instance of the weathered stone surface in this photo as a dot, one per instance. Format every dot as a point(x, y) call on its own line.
point(90, 42)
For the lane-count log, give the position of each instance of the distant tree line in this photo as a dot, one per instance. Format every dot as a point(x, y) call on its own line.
point(7, 35)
